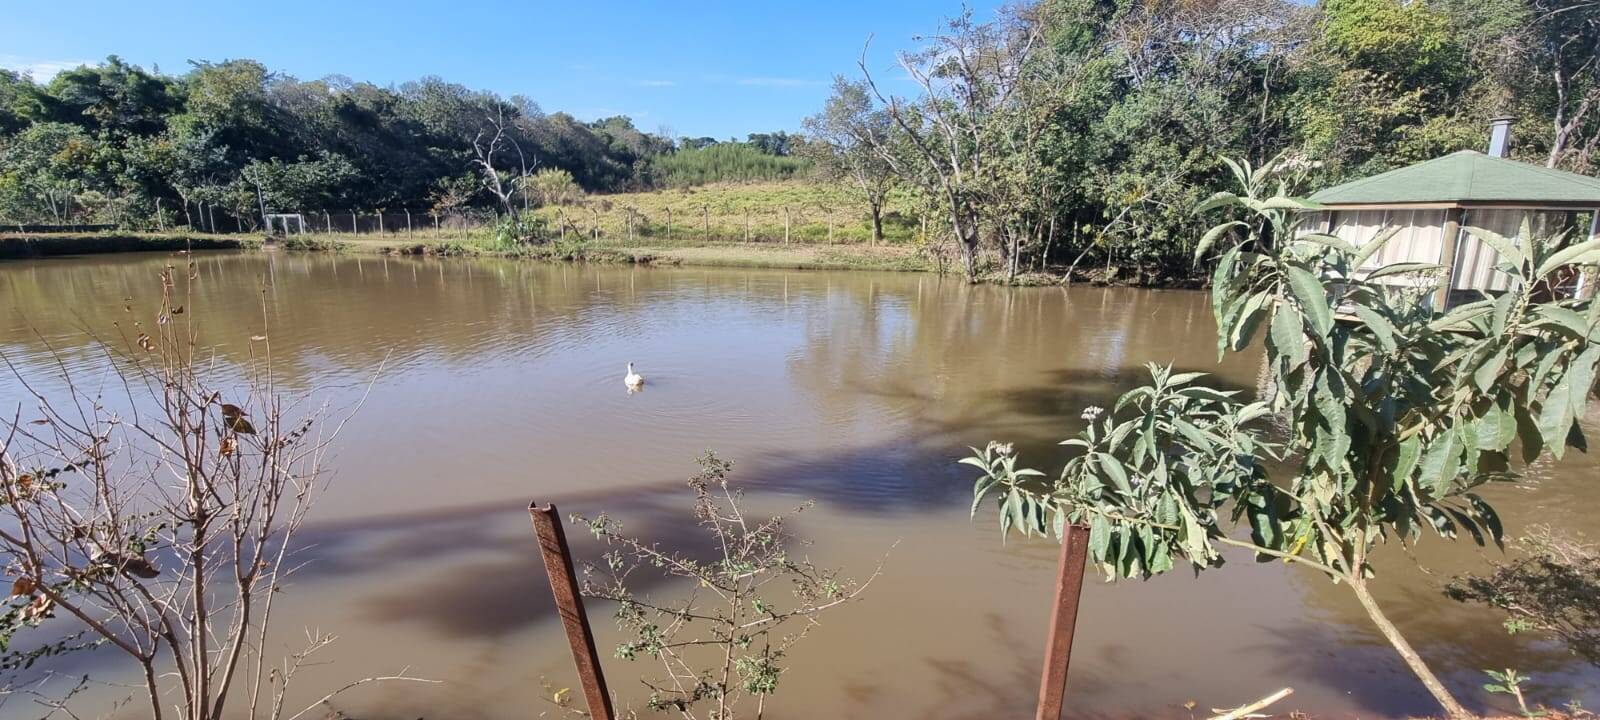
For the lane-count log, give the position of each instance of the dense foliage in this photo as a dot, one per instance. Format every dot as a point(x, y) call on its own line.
point(1069, 134)
point(733, 162)
point(1393, 415)
point(1081, 131)
point(109, 143)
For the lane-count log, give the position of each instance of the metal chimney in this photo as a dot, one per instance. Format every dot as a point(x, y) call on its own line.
point(1500, 136)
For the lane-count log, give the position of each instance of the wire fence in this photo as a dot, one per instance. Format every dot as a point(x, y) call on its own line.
point(400, 223)
point(687, 221)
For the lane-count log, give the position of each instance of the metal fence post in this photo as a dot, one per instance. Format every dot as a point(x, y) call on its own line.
point(1063, 620)
point(564, 585)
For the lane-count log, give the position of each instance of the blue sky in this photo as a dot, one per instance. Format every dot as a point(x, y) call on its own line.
point(722, 69)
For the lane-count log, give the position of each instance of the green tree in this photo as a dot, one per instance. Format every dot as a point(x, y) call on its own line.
point(306, 184)
point(116, 98)
point(844, 142)
point(1396, 414)
point(48, 165)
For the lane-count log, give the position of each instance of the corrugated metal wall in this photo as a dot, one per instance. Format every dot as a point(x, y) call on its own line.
point(1475, 261)
point(1421, 238)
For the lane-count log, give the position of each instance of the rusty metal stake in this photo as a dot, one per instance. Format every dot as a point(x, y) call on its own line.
point(1063, 619)
point(564, 584)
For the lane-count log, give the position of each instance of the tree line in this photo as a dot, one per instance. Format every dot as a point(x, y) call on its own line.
point(1072, 135)
point(119, 144)
point(1079, 133)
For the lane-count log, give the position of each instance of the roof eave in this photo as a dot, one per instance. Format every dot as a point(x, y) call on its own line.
point(1465, 205)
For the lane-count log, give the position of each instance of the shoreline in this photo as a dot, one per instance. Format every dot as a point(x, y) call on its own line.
point(20, 246)
point(764, 255)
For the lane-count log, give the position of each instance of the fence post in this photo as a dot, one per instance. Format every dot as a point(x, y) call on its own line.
point(569, 605)
point(355, 226)
point(1063, 620)
point(435, 223)
point(669, 225)
point(161, 224)
point(379, 211)
point(408, 222)
point(786, 224)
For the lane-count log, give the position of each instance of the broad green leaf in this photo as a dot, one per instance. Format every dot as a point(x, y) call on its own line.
point(1496, 429)
point(1440, 463)
point(1217, 200)
point(1461, 315)
point(1114, 470)
point(1185, 378)
point(1580, 378)
point(1506, 247)
point(1373, 246)
point(1099, 537)
point(1249, 319)
point(1239, 172)
point(1403, 268)
point(1380, 326)
point(1211, 236)
point(1569, 254)
point(1563, 318)
point(1486, 374)
point(1308, 290)
point(1288, 335)
point(1555, 416)
point(1326, 240)
point(1407, 455)
point(1288, 203)
point(1502, 313)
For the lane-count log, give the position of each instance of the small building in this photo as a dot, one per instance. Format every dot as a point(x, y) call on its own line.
point(1432, 202)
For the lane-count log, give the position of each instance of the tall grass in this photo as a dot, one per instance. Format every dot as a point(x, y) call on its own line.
point(734, 212)
point(724, 162)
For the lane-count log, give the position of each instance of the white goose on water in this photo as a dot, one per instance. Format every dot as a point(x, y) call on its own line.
point(633, 380)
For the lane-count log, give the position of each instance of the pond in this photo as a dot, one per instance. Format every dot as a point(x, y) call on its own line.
point(493, 383)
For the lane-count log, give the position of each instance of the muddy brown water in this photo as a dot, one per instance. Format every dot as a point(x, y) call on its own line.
point(503, 383)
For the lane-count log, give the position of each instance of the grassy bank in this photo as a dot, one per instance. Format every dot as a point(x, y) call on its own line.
point(648, 251)
point(20, 245)
point(799, 212)
point(791, 225)
point(644, 251)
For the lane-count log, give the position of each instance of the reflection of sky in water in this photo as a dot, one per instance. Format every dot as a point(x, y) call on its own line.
point(502, 383)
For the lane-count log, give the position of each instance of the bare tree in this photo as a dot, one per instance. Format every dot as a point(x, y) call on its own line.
point(161, 516)
point(490, 142)
point(1567, 35)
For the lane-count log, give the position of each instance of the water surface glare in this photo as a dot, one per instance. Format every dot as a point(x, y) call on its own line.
point(501, 383)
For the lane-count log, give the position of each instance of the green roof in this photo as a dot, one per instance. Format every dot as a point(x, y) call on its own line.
point(1467, 177)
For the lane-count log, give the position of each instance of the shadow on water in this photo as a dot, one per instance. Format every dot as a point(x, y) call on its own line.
point(485, 578)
